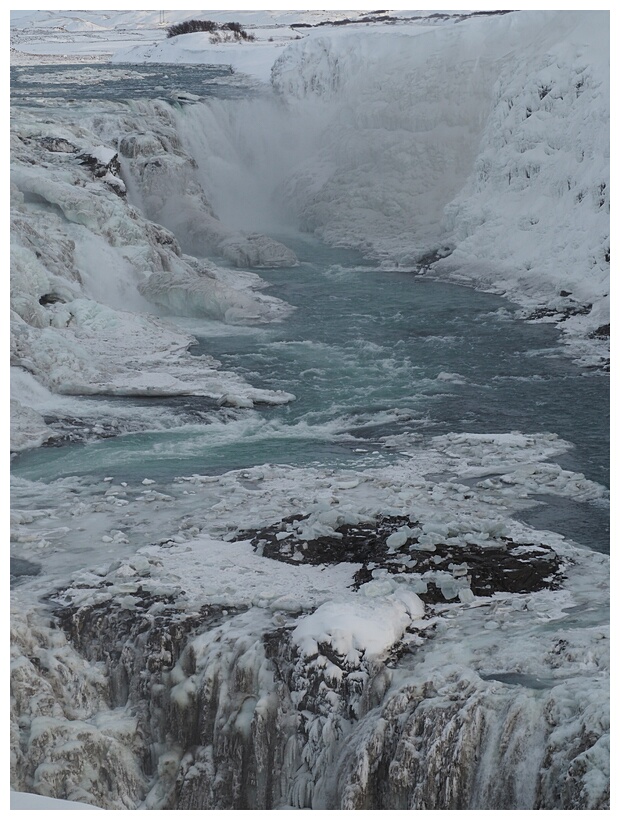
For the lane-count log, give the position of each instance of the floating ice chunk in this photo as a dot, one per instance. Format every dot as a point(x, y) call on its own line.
point(232, 400)
point(377, 588)
point(125, 571)
point(148, 481)
point(348, 485)
point(449, 588)
point(456, 378)
point(425, 543)
point(128, 602)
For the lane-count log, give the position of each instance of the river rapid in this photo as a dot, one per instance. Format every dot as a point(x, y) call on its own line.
point(378, 360)
point(397, 578)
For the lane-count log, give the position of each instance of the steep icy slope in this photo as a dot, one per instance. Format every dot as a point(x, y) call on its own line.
point(488, 139)
point(87, 269)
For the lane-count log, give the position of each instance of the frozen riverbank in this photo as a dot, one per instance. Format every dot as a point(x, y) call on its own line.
point(301, 578)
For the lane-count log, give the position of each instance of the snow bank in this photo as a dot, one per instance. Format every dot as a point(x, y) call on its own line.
point(21, 800)
point(352, 630)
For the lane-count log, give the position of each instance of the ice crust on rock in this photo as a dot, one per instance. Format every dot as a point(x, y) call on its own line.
point(327, 696)
point(82, 262)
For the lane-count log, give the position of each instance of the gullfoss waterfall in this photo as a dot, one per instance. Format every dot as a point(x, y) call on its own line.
point(279, 556)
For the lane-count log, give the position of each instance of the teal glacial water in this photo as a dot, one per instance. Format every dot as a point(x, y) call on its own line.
point(369, 354)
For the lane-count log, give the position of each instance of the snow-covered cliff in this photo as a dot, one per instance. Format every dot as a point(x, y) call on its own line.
point(488, 139)
point(377, 637)
point(89, 271)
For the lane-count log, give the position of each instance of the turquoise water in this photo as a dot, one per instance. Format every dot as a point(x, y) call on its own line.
point(368, 354)
point(36, 86)
point(435, 357)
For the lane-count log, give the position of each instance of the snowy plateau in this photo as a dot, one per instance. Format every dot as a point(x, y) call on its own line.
point(309, 411)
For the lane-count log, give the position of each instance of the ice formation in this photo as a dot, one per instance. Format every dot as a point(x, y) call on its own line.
point(84, 262)
point(232, 641)
point(504, 126)
point(223, 666)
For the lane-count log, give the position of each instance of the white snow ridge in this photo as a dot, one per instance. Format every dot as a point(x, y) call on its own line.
point(262, 559)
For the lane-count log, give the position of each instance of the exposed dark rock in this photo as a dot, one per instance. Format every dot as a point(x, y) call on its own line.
point(151, 634)
point(425, 262)
point(58, 145)
point(503, 567)
point(100, 169)
point(71, 430)
point(359, 543)
point(50, 299)
point(601, 332)
point(110, 171)
point(559, 314)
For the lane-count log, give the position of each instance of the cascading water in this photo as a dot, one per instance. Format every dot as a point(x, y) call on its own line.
point(301, 580)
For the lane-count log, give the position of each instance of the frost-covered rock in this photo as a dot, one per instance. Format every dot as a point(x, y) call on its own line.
point(171, 193)
point(364, 700)
point(84, 262)
point(69, 741)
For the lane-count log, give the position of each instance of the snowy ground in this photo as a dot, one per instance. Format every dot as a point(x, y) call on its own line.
point(182, 647)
